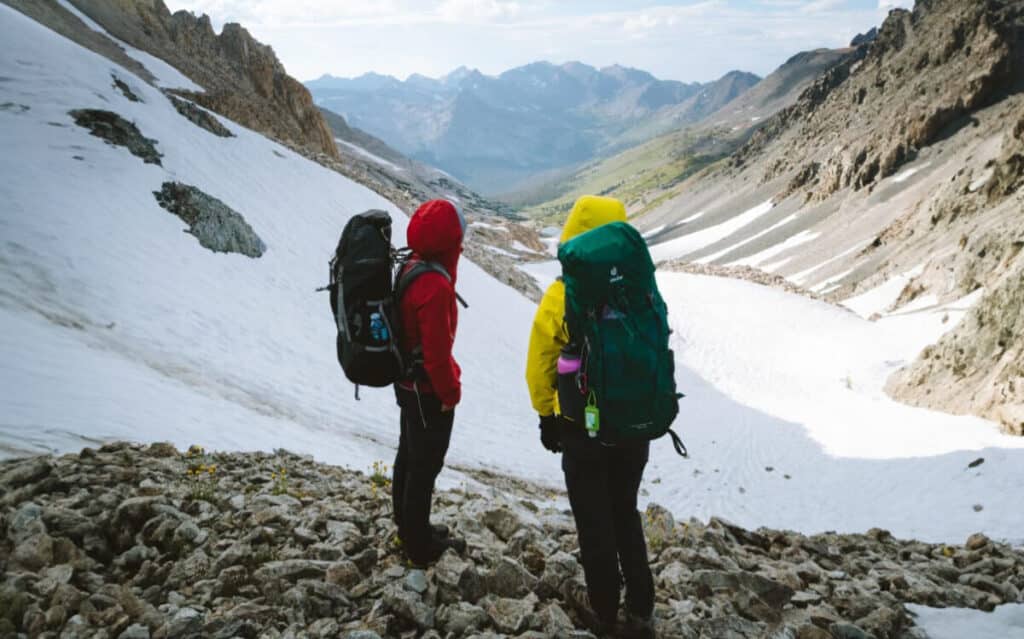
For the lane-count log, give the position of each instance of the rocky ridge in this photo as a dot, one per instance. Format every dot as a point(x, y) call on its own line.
point(138, 541)
point(242, 78)
point(890, 98)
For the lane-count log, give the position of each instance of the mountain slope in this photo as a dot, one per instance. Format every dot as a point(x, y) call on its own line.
point(238, 76)
point(493, 132)
point(117, 322)
point(404, 181)
point(894, 182)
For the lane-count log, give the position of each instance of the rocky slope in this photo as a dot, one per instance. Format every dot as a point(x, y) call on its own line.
point(130, 541)
point(493, 132)
point(903, 160)
point(242, 78)
point(406, 182)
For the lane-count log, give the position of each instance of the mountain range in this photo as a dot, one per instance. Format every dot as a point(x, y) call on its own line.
point(494, 131)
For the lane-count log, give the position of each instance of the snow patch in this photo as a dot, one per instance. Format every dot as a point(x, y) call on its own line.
point(883, 296)
point(982, 180)
point(903, 176)
point(651, 233)
point(490, 227)
point(370, 156)
point(543, 272)
point(519, 246)
point(1005, 622)
point(693, 217)
point(799, 239)
point(802, 276)
point(715, 256)
point(699, 239)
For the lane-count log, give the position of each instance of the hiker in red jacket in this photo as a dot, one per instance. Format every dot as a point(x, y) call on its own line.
point(431, 391)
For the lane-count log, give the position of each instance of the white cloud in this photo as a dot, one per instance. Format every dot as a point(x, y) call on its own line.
point(698, 40)
point(478, 10)
point(886, 5)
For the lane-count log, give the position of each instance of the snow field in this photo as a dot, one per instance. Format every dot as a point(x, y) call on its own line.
point(783, 382)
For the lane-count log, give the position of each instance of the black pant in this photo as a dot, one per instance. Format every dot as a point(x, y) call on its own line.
point(426, 432)
point(603, 482)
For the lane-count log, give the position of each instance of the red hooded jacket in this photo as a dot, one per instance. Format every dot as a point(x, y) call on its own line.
point(428, 309)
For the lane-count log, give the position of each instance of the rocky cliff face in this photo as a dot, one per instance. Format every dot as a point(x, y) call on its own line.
point(979, 366)
point(920, 79)
point(136, 541)
point(244, 80)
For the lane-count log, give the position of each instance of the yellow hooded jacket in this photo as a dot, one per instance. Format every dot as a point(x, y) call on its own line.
point(549, 334)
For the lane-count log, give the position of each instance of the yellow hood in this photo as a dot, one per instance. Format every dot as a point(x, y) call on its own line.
point(590, 212)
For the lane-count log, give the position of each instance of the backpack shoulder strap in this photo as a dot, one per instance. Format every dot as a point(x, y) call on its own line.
point(418, 268)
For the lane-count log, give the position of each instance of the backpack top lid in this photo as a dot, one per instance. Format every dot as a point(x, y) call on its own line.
point(609, 257)
point(364, 252)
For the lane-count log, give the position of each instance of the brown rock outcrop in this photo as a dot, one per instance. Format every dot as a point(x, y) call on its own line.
point(979, 366)
point(242, 78)
point(924, 75)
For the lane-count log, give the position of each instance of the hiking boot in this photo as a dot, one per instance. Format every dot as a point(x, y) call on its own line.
point(637, 627)
point(439, 531)
point(433, 552)
point(574, 593)
point(458, 544)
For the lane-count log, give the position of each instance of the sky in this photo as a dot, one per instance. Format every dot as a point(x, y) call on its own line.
point(687, 40)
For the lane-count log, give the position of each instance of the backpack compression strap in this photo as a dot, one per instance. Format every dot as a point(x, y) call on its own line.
point(678, 444)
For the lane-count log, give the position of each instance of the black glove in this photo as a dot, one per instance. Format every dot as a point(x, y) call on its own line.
point(550, 434)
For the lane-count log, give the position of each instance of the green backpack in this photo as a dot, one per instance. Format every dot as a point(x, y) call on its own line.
point(619, 322)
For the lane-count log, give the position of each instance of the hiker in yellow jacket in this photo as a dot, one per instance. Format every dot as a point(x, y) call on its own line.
point(602, 481)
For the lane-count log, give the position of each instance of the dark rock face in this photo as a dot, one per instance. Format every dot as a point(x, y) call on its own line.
point(864, 38)
point(244, 80)
point(199, 117)
point(138, 542)
point(125, 90)
point(117, 131)
point(215, 224)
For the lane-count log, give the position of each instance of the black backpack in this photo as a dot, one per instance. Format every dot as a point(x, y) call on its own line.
point(367, 280)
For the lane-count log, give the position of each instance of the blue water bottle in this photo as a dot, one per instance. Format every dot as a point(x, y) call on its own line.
point(378, 330)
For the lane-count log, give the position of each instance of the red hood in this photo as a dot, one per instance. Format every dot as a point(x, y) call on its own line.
point(435, 233)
